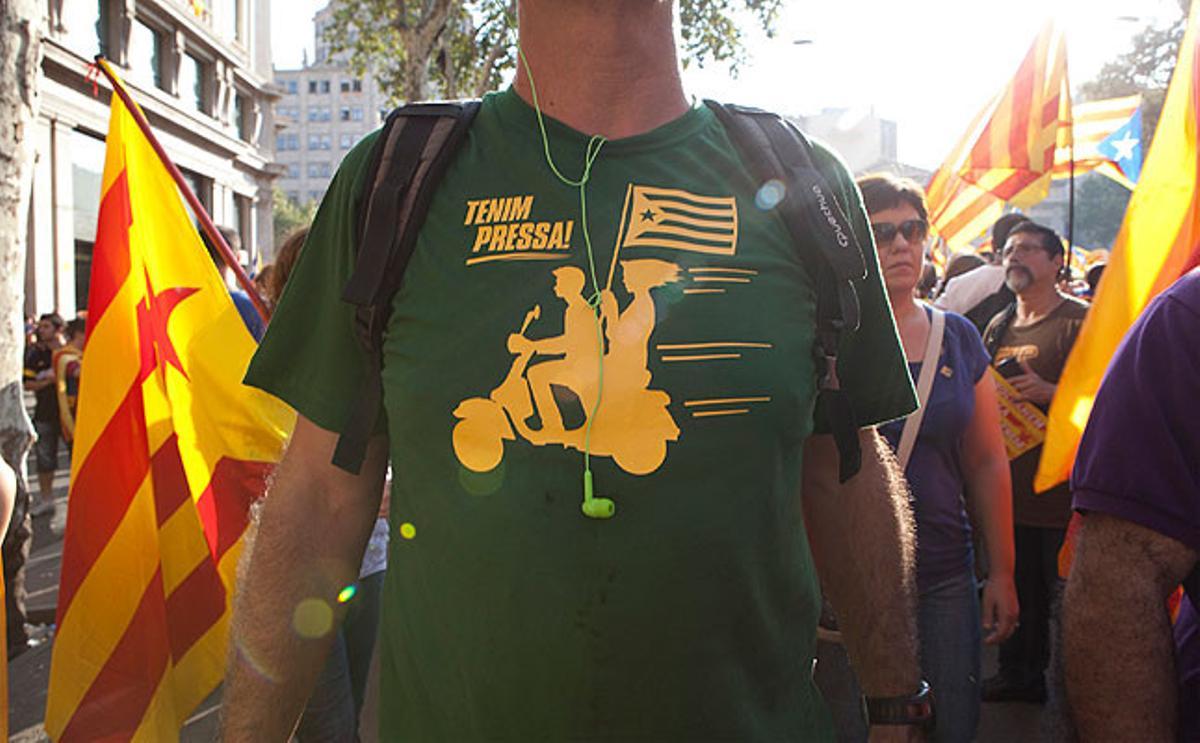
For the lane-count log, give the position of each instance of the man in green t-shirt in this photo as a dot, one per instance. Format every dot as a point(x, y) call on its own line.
point(507, 613)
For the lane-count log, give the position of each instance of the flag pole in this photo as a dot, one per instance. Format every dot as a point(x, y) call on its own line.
point(1071, 193)
point(206, 223)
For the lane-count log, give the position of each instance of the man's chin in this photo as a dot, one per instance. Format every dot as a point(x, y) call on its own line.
point(1017, 281)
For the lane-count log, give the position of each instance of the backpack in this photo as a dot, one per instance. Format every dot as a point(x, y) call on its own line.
point(419, 141)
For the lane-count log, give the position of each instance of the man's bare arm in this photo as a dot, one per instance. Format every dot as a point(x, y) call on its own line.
point(863, 542)
point(1118, 648)
point(310, 536)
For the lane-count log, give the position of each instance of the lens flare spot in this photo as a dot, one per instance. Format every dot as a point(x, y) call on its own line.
point(769, 196)
point(347, 593)
point(408, 531)
point(312, 618)
point(481, 483)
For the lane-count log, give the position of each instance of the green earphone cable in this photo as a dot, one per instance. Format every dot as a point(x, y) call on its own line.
point(595, 144)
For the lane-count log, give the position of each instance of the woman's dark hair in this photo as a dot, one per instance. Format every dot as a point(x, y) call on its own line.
point(883, 191)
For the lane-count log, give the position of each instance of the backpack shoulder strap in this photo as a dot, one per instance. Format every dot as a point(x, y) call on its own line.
point(774, 150)
point(416, 146)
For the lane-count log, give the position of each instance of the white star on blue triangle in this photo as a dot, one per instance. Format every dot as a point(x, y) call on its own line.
point(1124, 147)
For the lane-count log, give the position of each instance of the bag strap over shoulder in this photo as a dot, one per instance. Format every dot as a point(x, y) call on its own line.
point(416, 146)
point(774, 150)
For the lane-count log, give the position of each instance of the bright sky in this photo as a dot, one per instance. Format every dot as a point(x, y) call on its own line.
point(927, 64)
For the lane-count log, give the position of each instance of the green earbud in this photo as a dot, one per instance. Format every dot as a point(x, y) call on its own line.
point(593, 507)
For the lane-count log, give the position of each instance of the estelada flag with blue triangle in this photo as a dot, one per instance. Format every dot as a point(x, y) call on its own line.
point(170, 451)
point(1124, 147)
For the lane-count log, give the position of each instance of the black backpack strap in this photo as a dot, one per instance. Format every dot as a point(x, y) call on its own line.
point(775, 150)
point(417, 144)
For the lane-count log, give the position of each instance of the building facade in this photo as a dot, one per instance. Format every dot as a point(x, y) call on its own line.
point(861, 137)
point(324, 110)
point(201, 71)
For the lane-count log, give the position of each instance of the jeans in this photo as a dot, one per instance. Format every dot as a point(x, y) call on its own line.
point(1024, 655)
point(948, 619)
point(331, 715)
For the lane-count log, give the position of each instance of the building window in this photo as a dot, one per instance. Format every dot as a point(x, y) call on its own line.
point(345, 86)
point(193, 83)
point(351, 86)
point(357, 86)
point(315, 195)
point(202, 186)
point(318, 170)
point(229, 19)
point(294, 196)
point(87, 168)
point(85, 26)
point(243, 117)
point(145, 54)
point(320, 141)
point(346, 141)
point(356, 113)
point(292, 87)
point(319, 113)
point(344, 114)
point(324, 86)
point(284, 142)
point(242, 224)
point(293, 170)
point(312, 86)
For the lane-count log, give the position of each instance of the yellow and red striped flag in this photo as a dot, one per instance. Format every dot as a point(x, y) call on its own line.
point(1096, 121)
point(170, 451)
point(1014, 154)
point(1159, 241)
point(960, 211)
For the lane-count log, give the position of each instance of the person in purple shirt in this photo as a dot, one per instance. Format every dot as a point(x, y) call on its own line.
point(957, 460)
point(1137, 483)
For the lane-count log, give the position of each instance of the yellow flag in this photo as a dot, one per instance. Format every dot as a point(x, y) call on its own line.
point(1156, 245)
point(170, 449)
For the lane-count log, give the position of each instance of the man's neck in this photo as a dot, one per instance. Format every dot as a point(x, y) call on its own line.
point(606, 68)
point(1036, 302)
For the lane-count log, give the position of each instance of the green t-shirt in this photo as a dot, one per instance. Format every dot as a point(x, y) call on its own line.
point(507, 613)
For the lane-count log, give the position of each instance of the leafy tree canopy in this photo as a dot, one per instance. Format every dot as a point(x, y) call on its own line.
point(290, 216)
point(1145, 68)
point(464, 47)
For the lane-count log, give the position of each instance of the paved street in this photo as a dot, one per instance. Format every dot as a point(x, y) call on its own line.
point(29, 673)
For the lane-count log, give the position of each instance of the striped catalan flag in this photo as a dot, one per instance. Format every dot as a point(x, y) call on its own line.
point(1013, 156)
point(1095, 122)
point(960, 211)
point(170, 450)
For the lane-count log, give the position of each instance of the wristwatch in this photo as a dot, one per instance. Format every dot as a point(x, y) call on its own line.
point(913, 709)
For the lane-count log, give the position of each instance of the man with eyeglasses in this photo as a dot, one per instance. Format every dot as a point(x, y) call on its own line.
point(1029, 342)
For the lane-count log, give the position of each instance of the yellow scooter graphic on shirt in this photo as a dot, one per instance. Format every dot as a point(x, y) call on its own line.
point(632, 424)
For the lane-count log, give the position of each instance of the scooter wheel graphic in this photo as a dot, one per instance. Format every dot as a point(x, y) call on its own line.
point(477, 444)
point(641, 460)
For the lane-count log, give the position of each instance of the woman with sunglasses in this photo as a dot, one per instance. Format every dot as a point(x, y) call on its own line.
point(954, 459)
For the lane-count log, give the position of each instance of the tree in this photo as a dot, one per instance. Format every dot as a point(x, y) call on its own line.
point(1099, 208)
point(21, 24)
point(464, 47)
point(1144, 69)
point(290, 216)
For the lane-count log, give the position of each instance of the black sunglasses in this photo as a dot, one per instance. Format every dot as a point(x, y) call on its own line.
point(914, 230)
